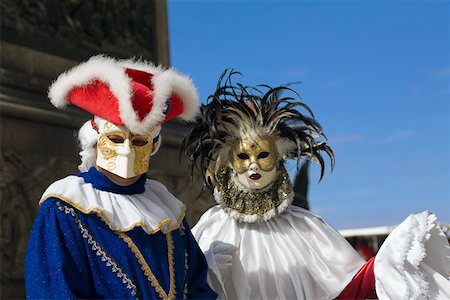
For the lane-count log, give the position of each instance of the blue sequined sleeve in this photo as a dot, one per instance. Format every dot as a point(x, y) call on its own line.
point(197, 288)
point(56, 262)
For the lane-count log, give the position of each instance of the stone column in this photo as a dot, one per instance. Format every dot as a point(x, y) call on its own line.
point(39, 40)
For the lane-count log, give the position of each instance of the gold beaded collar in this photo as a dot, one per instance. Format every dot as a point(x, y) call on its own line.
point(249, 205)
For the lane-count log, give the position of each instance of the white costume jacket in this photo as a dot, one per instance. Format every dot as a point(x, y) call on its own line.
point(297, 255)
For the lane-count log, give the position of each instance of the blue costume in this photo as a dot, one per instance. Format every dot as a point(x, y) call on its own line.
point(95, 239)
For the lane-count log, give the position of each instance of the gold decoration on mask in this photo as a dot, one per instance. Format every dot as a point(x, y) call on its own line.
point(258, 205)
point(142, 156)
point(103, 144)
point(108, 125)
point(111, 165)
point(246, 152)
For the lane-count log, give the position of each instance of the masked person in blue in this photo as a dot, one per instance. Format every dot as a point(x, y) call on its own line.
point(109, 232)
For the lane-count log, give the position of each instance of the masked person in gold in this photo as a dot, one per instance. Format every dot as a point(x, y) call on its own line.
point(258, 245)
point(109, 232)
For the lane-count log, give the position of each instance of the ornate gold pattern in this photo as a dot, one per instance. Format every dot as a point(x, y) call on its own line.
point(105, 218)
point(111, 165)
point(253, 151)
point(147, 270)
point(142, 156)
point(107, 152)
point(99, 251)
point(234, 199)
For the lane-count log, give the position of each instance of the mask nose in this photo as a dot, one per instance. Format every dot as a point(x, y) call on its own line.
point(126, 147)
point(254, 167)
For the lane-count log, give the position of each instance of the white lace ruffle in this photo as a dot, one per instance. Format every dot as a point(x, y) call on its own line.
point(414, 261)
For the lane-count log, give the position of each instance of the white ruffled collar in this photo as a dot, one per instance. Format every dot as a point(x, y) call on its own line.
point(154, 210)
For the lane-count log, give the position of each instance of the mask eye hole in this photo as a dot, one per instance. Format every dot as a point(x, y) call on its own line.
point(263, 155)
point(243, 156)
point(139, 142)
point(116, 139)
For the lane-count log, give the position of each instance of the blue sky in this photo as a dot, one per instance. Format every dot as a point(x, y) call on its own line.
point(375, 73)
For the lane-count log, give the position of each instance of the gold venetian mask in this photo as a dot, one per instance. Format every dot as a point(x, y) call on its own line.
point(254, 163)
point(247, 152)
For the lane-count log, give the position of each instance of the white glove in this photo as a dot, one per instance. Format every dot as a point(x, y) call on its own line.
point(223, 254)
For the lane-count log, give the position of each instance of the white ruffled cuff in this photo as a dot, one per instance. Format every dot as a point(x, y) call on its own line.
point(414, 261)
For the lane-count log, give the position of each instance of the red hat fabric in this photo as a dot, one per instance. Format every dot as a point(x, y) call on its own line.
point(135, 94)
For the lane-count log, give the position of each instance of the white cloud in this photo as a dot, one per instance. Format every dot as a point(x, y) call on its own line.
point(395, 137)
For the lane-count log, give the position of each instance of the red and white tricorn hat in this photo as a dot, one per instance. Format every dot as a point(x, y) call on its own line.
point(136, 94)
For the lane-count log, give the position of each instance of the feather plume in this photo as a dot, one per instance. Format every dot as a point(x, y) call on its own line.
point(236, 111)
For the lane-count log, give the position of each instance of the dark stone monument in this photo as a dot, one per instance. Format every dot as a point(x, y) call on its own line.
point(39, 40)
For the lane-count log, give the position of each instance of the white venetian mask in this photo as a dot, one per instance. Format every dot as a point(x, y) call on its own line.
point(122, 153)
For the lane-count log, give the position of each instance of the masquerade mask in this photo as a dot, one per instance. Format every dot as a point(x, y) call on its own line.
point(122, 153)
point(254, 163)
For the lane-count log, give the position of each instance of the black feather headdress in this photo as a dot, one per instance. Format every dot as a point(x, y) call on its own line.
point(236, 111)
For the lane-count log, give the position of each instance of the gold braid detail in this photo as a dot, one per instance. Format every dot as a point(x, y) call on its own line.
point(146, 268)
point(108, 222)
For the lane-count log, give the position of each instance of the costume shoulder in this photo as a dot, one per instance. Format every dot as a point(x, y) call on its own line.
point(155, 209)
point(216, 224)
point(157, 185)
point(301, 212)
point(215, 217)
point(62, 188)
point(212, 217)
point(161, 189)
point(55, 209)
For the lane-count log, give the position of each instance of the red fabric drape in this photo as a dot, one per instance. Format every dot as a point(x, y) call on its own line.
point(362, 285)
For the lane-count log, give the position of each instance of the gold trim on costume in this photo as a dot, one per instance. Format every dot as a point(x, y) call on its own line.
point(146, 268)
point(109, 261)
point(108, 222)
